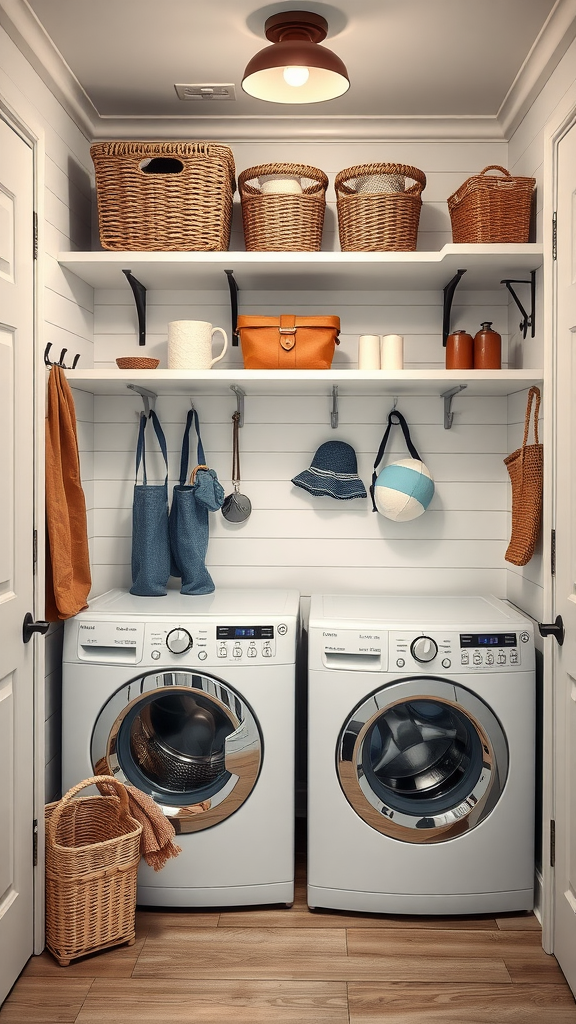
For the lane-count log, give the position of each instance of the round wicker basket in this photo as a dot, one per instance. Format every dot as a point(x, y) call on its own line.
point(283, 221)
point(378, 221)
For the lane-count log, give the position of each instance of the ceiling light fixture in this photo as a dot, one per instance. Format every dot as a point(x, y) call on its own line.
point(295, 69)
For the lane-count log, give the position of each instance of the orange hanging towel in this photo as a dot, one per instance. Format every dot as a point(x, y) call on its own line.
point(68, 578)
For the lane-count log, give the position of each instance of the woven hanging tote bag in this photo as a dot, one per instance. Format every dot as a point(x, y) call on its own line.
point(525, 467)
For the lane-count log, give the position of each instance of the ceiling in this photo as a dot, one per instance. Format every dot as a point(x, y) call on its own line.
point(405, 58)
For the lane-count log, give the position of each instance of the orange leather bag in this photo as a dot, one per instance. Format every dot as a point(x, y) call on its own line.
point(288, 342)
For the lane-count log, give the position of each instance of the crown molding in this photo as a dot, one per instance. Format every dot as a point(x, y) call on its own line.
point(556, 35)
point(21, 24)
point(270, 128)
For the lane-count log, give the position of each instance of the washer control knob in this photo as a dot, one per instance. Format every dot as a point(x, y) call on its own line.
point(202, 655)
point(424, 648)
point(179, 641)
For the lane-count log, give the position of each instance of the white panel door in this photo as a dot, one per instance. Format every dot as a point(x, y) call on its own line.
point(565, 667)
point(16, 568)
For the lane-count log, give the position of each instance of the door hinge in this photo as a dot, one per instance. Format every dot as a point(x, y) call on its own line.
point(35, 842)
point(554, 236)
point(553, 552)
point(552, 843)
point(35, 235)
point(34, 551)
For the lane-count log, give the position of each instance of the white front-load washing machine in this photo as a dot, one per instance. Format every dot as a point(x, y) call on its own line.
point(191, 699)
point(421, 755)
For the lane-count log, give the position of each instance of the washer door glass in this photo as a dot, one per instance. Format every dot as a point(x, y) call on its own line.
point(422, 760)
point(188, 740)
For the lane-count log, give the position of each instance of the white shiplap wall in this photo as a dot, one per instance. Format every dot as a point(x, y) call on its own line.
point(65, 301)
point(292, 539)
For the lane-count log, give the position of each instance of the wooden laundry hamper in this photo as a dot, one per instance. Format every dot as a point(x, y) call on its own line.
point(92, 857)
point(164, 196)
point(378, 221)
point(283, 222)
point(487, 208)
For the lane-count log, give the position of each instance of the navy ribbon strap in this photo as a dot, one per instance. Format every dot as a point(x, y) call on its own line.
point(402, 422)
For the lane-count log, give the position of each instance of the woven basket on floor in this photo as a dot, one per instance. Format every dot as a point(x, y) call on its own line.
point(379, 221)
point(92, 856)
point(283, 222)
point(164, 196)
point(487, 208)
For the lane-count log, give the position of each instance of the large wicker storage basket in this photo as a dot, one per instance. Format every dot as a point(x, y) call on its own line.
point(385, 219)
point(278, 221)
point(487, 208)
point(92, 856)
point(164, 196)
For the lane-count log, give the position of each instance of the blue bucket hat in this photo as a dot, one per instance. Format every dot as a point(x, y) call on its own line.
point(333, 471)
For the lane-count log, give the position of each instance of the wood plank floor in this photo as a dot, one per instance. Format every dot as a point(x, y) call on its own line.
point(295, 966)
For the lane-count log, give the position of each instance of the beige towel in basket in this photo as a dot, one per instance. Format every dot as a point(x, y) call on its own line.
point(157, 839)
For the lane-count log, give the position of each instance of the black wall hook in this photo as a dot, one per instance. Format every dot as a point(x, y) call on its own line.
point(60, 361)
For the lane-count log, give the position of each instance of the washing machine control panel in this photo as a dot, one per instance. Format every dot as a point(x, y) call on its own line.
point(492, 651)
point(165, 643)
point(168, 644)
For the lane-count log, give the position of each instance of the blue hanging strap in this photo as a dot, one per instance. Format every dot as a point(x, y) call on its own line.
point(141, 450)
point(141, 445)
point(192, 416)
point(399, 419)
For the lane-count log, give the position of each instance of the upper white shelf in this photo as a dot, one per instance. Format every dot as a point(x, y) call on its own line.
point(486, 266)
point(358, 382)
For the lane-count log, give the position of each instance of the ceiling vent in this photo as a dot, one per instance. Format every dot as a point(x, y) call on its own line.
point(206, 92)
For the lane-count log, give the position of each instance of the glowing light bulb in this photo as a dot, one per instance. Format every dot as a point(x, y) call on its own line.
point(296, 76)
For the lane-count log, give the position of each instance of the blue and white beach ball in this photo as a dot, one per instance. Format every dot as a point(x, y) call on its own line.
point(403, 490)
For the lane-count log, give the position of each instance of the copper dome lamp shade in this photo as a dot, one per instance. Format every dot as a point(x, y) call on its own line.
point(295, 69)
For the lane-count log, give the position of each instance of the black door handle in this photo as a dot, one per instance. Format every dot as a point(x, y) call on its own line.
point(555, 629)
point(29, 627)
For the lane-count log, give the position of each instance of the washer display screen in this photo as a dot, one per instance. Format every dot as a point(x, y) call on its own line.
point(488, 640)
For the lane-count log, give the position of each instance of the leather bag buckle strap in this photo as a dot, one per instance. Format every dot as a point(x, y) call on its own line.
point(287, 331)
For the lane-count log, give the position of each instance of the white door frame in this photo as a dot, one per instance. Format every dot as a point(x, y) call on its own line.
point(563, 119)
point(24, 123)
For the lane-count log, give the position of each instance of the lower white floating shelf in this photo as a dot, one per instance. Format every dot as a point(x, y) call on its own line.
point(321, 382)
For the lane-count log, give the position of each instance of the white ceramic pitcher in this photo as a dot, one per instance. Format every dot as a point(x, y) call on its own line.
point(190, 345)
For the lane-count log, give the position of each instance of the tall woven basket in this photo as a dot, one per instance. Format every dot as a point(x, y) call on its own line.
point(283, 222)
point(487, 208)
point(526, 467)
point(379, 207)
point(92, 856)
point(164, 196)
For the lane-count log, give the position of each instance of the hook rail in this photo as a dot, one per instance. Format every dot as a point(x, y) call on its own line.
point(60, 361)
point(240, 396)
point(148, 397)
point(448, 396)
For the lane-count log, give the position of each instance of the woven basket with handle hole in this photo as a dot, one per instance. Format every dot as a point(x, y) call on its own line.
point(92, 856)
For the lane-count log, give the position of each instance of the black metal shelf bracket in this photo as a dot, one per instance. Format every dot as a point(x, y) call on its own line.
point(448, 296)
point(529, 319)
point(233, 286)
point(139, 292)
